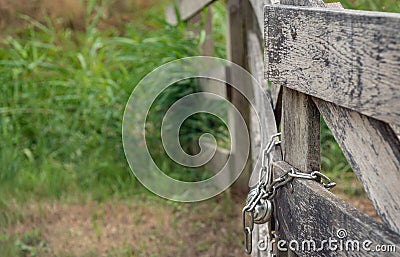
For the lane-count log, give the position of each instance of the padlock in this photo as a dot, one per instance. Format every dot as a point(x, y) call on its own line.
point(263, 211)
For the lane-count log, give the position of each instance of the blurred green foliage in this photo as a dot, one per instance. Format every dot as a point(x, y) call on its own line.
point(370, 5)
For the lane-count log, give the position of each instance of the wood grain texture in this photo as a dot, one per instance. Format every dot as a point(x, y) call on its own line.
point(236, 53)
point(384, 213)
point(300, 136)
point(300, 128)
point(255, 58)
point(258, 8)
point(312, 3)
point(264, 115)
point(187, 9)
point(219, 159)
point(350, 58)
point(325, 215)
point(300, 131)
point(207, 48)
point(336, 5)
point(373, 151)
point(255, 26)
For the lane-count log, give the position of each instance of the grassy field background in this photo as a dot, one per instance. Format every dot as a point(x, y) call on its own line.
point(65, 186)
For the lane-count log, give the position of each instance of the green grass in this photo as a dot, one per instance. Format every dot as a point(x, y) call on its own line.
point(62, 97)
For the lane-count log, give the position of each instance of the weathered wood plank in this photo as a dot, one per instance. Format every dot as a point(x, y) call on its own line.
point(258, 9)
point(214, 86)
point(256, 26)
point(265, 115)
point(350, 58)
point(393, 210)
point(326, 214)
point(314, 3)
point(373, 151)
point(336, 5)
point(262, 116)
point(236, 53)
point(255, 58)
point(187, 9)
point(396, 129)
point(219, 159)
point(300, 125)
point(208, 46)
point(300, 136)
point(300, 131)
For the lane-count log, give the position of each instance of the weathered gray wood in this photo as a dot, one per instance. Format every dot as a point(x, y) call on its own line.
point(214, 86)
point(313, 3)
point(262, 116)
point(336, 5)
point(208, 46)
point(236, 52)
point(258, 9)
point(300, 131)
point(300, 126)
point(265, 115)
point(379, 170)
point(373, 151)
point(300, 136)
point(187, 9)
point(350, 58)
point(219, 159)
point(235, 41)
point(255, 58)
point(396, 129)
point(313, 213)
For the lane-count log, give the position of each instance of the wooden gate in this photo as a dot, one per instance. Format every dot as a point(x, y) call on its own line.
point(343, 65)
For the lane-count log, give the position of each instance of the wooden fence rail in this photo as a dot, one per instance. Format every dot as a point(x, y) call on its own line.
point(321, 60)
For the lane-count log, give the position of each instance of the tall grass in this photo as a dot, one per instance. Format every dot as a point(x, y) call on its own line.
point(62, 97)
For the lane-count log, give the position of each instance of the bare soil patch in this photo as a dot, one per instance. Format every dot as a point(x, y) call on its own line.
point(70, 13)
point(141, 227)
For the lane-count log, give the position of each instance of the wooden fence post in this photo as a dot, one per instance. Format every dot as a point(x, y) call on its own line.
point(236, 53)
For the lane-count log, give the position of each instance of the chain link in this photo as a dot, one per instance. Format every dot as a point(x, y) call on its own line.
point(267, 187)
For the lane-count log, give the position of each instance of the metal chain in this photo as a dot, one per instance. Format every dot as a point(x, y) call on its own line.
point(267, 187)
